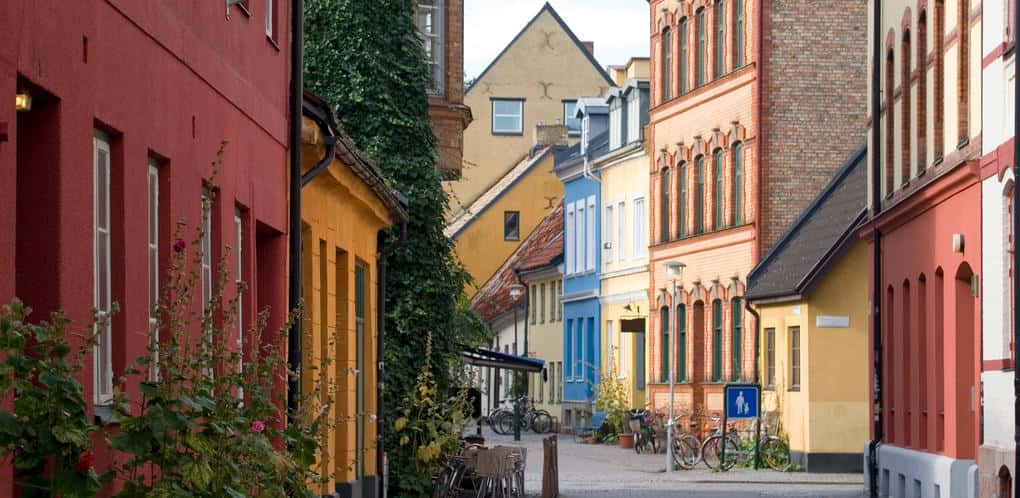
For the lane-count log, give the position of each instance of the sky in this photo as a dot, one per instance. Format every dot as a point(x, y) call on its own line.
point(619, 28)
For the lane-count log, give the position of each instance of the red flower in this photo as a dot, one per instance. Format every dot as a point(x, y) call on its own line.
point(179, 245)
point(84, 463)
point(257, 426)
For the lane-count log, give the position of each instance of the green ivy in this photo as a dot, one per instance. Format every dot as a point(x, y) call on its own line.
point(365, 57)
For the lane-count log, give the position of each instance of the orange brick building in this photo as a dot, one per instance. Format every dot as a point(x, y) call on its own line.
point(754, 106)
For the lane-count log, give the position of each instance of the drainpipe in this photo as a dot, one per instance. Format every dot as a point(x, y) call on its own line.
point(1016, 265)
point(381, 263)
point(527, 306)
point(876, 265)
point(294, 237)
point(757, 359)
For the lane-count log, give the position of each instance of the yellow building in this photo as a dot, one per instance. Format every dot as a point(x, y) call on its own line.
point(343, 209)
point(535, 80)
point(811, 292)
point(489, 231)
point(622, 163)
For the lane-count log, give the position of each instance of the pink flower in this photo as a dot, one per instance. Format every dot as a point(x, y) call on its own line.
point(84, 462)
point(257, 426)
point(179, 245)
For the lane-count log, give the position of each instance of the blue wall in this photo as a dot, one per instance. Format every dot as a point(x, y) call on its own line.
point(582, 318)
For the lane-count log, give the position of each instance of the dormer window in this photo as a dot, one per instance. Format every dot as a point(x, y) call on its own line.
point(615, 123)
point(570, 119)
point(633, 115)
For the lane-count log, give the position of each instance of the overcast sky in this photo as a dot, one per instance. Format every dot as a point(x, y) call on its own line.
point(619, 28)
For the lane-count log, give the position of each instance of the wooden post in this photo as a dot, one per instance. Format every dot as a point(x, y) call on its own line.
point(550, 468)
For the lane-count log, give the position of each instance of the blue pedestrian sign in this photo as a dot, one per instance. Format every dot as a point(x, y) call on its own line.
point(742, 401)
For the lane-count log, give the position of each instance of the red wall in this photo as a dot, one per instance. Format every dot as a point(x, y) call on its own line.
point(167, 78)
point(927, 403)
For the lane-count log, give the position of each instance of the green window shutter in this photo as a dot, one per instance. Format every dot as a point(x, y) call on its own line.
point(738, 34)
point(682, 74)
point(664, 188)
point(738, 184)
point(359, 292)
point(681, 343)
point(681, 204)
point(664, 321)
point(667, 64)
point(737, 322)
point(639, 360)
point(718, 193)
point(716, 340)
point(720, 45)
point(699, 195)
point(701, 47)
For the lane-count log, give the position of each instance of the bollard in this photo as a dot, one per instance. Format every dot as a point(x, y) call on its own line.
point(550, 468)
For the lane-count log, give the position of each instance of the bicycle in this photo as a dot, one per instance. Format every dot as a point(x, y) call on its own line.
point(774, 452)
point(537, 421)
point(687, 448)
point(644, 431)
point(449, 483)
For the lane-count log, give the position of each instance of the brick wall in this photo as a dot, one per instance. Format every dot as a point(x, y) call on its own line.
point(814, 101)
point(448, 113)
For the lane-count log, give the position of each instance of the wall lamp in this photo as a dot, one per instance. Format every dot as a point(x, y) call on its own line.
point(22, 102)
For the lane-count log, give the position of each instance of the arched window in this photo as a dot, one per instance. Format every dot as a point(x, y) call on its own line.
point(717, 191)
point(737, 339)
point(738, 184)
point(940, 78)
point(664, 322)
point(939, 366)
point(921, 351)
point(683, 72)
point(890, 103)
point(664, 200)
point(905, 85)
point(681, 343)
point(906, 411)
point(963, 65)
point(738, 33)
point(700, 57)
point(667, 64)
point(888, 382)
point(681, 202)
point(717, 341)
point(699, 194)
point(922, 91)
point(720, 37)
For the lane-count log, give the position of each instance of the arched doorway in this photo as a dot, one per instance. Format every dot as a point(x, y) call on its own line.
point(966, 304)
point(1005, 483)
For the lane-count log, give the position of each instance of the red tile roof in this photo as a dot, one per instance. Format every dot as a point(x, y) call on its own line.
point(543, 247)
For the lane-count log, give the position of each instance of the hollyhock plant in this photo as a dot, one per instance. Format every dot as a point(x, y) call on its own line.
point(257, 426)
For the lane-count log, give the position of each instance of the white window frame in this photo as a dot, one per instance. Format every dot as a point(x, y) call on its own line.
point(206, 264)
point(437, 61)
point(624, 355)
point(592, 235)
point(615, 125)
point(579, 238)
point(238, 280)
point(610, 341)
point(608, 234)
point(102, 229)
point(640, 228)
point(153, 259)
point(634, 116)
point(519, 116)
point(269, 19)
point(621, 222)
point(568, 116)
point(570, 236)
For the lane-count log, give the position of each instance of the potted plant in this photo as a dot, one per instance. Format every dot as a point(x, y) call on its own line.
point(614, 398)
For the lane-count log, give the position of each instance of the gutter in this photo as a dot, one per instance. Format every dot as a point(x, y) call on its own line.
point(294, 206)
point(757, 361)
point(876, 265)
point(381, 262)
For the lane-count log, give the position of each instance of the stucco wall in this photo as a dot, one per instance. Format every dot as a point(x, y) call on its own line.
point(544, 67)
point(545, 341)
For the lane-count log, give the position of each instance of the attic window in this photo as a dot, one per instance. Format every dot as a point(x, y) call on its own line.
point(429, 18)
point(572, 123)
point(512, 225)
point(507, 116)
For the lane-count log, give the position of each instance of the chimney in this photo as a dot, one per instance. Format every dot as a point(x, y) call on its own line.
point(590, 45)
point(550, 134)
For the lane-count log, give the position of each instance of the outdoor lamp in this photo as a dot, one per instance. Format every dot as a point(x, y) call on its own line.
point(515, 291)
point(22, 101)
point(675, 269)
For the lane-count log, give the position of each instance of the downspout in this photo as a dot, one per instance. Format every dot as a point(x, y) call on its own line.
point(1016, 264)
point(759, 132)
point(757, 359)
point(876, 264)
point(294, 235)
point(527, 308)
point(381, 263)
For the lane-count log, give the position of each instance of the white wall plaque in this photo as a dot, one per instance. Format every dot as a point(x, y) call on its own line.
point(832, 322)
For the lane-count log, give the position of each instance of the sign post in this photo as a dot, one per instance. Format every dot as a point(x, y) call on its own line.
point(742, 402)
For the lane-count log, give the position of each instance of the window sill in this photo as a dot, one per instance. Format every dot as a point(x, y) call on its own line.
point(244, 10)
point(795, 389)
point(104, 414)
point(508, 133)
point(273, 43)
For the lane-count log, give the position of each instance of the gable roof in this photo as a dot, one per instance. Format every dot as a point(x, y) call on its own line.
point(816, 239)
point(495, 192)
point(570, 34)
point(543, 247)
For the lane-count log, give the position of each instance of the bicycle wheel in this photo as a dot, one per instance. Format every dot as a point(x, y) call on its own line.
point(541, 423)
point(493, 420)
point(506, 423)
point(686, 451)
point(774, 453)
point(712, 453)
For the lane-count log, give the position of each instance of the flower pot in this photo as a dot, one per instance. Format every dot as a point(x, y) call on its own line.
point(627, 441)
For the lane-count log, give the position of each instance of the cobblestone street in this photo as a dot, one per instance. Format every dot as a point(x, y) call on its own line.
point(588, 470)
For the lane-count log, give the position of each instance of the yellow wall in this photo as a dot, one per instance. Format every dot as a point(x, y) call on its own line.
point(544, 67)
point(830, 412)
point(545, 342)
point(480, 246)
point(341, 217)
point(624, 179)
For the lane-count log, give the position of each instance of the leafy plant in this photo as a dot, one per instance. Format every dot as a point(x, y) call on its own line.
point(44, 427)
point(210, 418)
point(614, 399)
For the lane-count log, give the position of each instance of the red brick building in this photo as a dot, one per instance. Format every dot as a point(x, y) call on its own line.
point(129, 104)
point(745, 131)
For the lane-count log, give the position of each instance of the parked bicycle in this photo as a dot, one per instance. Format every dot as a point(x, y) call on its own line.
point(774, 452)
point(644, 431)
point(686, 445)
point(538, 421)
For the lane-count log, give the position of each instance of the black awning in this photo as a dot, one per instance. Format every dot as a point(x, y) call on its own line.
point(632, 325)
point(486, 358)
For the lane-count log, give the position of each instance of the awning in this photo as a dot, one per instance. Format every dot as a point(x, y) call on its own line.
point(486, 358)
